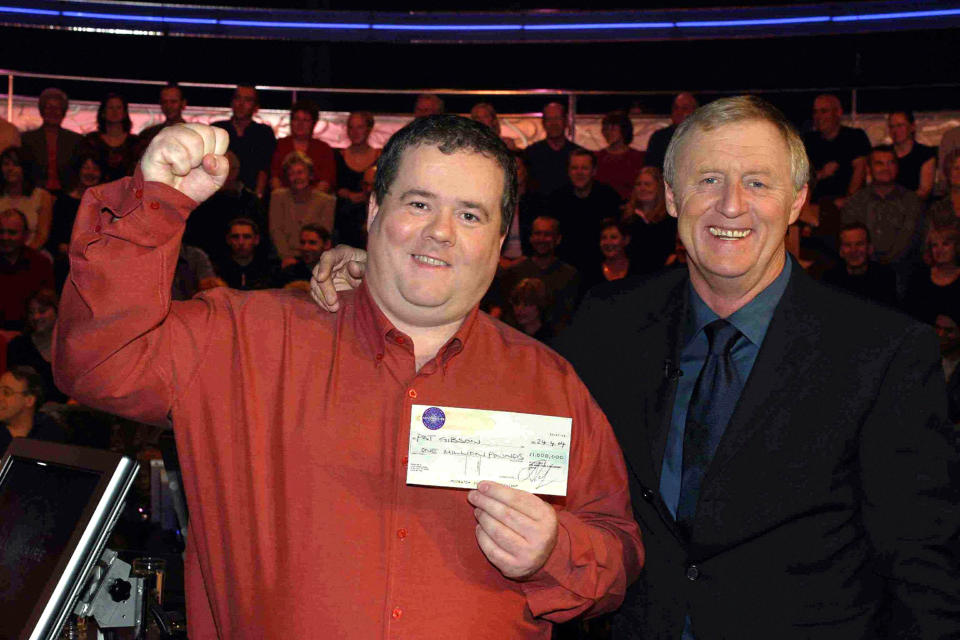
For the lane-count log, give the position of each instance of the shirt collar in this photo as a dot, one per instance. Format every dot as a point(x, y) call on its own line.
point(752, 319)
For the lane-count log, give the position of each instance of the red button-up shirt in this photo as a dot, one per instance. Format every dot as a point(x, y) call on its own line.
point(293, 425)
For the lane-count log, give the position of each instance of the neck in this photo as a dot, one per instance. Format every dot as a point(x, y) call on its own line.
point(244, 261)
point(584, 192)
point(903, 148)
point(302, 140)
point(114, 129)
point(300, 195)
point(241, 123)
point(883, 189)
point(726, 295)
point(174, 120)
point(557, 143)
point(544, 261)
point(946, 270)
point(50, 127)
point(616, 262)
point(617, 147)
point(859, 270)
point(359, 147)
point(830, 135)
point(19, 425)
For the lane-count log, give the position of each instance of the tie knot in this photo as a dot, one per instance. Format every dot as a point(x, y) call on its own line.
point(721, 336)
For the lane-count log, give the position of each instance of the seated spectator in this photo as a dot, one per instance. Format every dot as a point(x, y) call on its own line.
point(352, 193)
point(51, 147)
point(547, 161)
point(485, 114)
point(937, 288)
point(917, 162)
point(88, 170)
point(528, 301)
point(858, 273)
point(253, 142)
point(618, 164)
point(294, 206)
point(682, 108)
point(32, 348)
point(9, 135)
point(837, 153)
point(17, 191)
point(245, 267)
point(892, 213)
point(427, 104)
point(172, 104)
point(304, 116)
point(949, 334)
point(23, 271)
point(314, 240)
point(652, 232)
point(194, 273)
point(581, 206)
point(616, 264)
point(945, 212)
point(21, 396)
point(112, 142)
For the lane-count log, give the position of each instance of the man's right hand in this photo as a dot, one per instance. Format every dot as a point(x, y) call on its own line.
point(339, 269)
point(189, 158)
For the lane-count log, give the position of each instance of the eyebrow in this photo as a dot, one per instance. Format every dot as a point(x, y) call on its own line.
point(464, 204)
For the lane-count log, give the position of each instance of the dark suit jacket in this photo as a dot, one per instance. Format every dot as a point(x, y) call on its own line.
point(35, 143)
point(834, 487)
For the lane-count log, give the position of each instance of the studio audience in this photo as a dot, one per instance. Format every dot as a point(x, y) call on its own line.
point(294, 206)
point(303, 120)
point(18, 191)
point(116, 147)
point(51, 147)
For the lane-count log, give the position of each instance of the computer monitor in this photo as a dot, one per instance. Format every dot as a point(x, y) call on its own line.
point(58, 505)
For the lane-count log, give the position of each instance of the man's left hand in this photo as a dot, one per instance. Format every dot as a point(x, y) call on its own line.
point(516, 530)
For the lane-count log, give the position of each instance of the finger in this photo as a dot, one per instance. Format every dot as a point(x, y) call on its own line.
point(506, 538)
point(497, 556)
point(522, 501)
point(324, 284)
point(216, 167)
point(207, 135)
point(222, 141)
point(506, 515)
point(356, 270)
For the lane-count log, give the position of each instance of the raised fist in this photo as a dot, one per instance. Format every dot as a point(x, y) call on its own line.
point(189, 158)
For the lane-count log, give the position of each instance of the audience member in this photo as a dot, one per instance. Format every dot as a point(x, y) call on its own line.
point(616, 263)
point(304, 116)
point(51, 147)
point(18, 191)
point(172, 104)
point(89, 173)
point(32, 347)
point(117, 148)
point(352, 195)
point(949, 334)
point(194, 273)
point(528, 301)
point(245, 267)
point(949, 142)
point(917, 162)
point(945, 212)
point(23, 270)
point(547, 160)
point(314, 240)
point(529, 206)
point(652, 232)
point(580, 206)
point(837, 153)
point(683, 105)
point(427, 104)
point(618, 164)
point(936, 289)
point(858, 273)
point(485, 114)
point(294, 206)
point(252, 141)
point(21, 396)
point(893, 214)
point(9, 135)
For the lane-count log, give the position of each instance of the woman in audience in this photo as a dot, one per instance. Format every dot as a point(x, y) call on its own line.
point(352, 162)
point(938, 287)
point(17, 191)
point(945, 212)
point(294, 206)
point(32, 348)
point(652, 231)
point(112, 142)
point(616, 264)
point(304, 116)
point(529, 301)
point(86, 167)
point(917, 163)
point(618, 164)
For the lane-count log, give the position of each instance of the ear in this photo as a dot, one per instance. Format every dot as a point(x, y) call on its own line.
point(669, 200)
point(798, 201)
point(373, 208)
point(30, 401)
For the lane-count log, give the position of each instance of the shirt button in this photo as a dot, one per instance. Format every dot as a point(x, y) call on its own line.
point(138, 193)
point(154, 205)
point(647, 494)
point(412, 393)
point(693, 572)
point(97, 228)
point(404, 461)
point(379, 357)
point(398, 339)
point(396, 613)
point(401, 533)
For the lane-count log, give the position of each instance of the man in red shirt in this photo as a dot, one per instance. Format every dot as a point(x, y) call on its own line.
point(293, 424)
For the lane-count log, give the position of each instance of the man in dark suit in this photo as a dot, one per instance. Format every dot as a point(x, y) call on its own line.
point(51, 147)
point(793, 471)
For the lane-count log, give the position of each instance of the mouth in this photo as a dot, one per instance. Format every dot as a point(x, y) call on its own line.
point(729, 234)
point(428, 261)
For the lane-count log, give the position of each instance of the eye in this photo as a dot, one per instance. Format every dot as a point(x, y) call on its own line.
point(470, 217)
point(418, 205)
point(756, 184)
point(710, 180)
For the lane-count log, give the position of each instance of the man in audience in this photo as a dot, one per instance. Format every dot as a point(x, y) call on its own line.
point(485, 114)
point(23, 271)
point(172, 104)
point(246, 268)
point(427, 104)
point(892, 214)
point(293, 425)
point(194, 273)
point(581, 206)
point(837, 153)
point(314, 240)
point(253, 142)
point(21, 396)
point(858, 273)
point(547, 160)
point(683, 105)
point(51, 147)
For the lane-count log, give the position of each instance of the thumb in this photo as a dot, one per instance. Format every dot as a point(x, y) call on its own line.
point(216, 166)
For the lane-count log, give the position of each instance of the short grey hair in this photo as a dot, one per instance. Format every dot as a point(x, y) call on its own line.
point(732, 110)
point(52, 93)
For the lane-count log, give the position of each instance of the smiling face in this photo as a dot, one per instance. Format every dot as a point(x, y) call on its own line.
point(826, 114)
point(901, 129)
point(40, 317)
point(581, 170)
point(114, 111)
point(943, 248)
point(645, 188)
point(357, 129)
point(883, 168)
point(301, 125)
point(613, 243)
point(172, 103)
point(90, 173)
point(14, 399)
point(435, 240)
point(734, 198)
point(554, 120)
point(12, 171)
point(53, 112)
point(544, 236)
point(298, 174)
point(854, 248)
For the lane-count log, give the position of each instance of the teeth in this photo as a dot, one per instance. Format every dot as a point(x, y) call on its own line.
point(431, 261)
point(729, 233)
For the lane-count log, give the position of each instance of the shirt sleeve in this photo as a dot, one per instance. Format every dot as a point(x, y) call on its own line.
point(599, 552)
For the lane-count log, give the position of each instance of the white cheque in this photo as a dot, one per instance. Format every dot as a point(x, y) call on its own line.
point(454, 447)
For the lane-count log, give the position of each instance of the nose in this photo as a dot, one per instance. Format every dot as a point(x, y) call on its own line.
point(734, 202)
point(440, 227)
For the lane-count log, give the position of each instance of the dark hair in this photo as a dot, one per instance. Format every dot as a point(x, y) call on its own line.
point(245, 85)
point(582, 152)
point(21, 214)
point(308, 107)
point(855, 226)
point(241, 220)
point(102, 113)
point(80, 158)
point(621, 120)
point(172, 85)
point(613, 223)
point(530, 291)
point(906, 114)
point(367, 117)
point(885, 148)
point(450, 134)
point(33, 380)
point(318, 229)
point(551, 219)
point(25, 162)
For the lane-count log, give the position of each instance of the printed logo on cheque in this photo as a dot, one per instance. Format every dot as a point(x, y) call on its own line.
point(433, 418)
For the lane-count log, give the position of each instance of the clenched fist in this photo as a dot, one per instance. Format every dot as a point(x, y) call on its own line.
point(189, 158)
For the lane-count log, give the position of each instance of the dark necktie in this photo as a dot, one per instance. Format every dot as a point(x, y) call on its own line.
point(711, 405)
